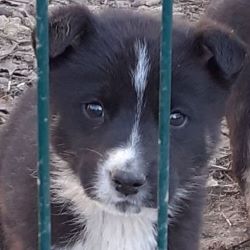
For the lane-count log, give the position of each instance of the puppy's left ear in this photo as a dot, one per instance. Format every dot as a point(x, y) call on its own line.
point(222, 51)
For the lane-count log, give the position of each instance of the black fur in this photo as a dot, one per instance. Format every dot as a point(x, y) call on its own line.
point(90, 59)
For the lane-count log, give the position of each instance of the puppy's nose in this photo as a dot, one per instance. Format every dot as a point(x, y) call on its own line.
point(127, 183)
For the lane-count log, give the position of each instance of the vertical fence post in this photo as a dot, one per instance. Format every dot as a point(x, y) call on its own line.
point(164, 112)
point(44, 225)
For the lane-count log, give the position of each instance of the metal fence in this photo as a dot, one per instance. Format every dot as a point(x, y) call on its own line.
point(43, 125)
point(44, 219)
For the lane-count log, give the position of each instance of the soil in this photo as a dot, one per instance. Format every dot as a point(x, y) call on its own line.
point(225, 217)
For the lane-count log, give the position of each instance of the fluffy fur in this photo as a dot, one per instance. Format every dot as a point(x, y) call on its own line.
point(104, 83)
point(102, 223)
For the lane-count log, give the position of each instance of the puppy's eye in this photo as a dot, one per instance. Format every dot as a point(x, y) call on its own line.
point(93, 110)
point(177, 119)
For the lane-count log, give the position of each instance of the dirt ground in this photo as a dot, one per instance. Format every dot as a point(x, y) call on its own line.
point(225, 220)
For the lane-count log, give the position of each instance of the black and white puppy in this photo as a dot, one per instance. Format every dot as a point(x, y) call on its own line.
point(104, 73)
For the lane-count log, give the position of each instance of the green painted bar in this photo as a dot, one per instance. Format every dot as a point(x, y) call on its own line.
point(43, 125)
point(164, 109)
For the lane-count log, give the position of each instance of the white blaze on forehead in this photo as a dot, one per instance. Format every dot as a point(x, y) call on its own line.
point(118, 158)
point(141, 71)
point(140, 77)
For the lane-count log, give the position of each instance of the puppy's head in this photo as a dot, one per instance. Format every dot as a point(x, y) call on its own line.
point(104, 72)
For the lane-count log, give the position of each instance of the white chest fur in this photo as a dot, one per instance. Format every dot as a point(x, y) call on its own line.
point(111, 232)
point(105, 231)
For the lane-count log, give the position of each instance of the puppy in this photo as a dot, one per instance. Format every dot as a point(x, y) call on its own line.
point(235, 14)
point(104, 83)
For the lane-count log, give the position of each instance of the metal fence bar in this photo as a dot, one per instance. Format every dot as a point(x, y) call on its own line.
point(164, 111)
point(43, 125)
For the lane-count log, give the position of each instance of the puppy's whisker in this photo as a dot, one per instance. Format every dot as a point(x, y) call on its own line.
point(94, 151)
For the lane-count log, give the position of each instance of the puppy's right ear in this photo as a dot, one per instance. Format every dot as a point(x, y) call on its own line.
point(67, 25)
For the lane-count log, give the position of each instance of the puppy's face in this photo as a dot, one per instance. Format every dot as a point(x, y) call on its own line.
point(109, 122)
point(104, 95)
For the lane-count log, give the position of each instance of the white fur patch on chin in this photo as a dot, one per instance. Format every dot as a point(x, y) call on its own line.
point(104, 230)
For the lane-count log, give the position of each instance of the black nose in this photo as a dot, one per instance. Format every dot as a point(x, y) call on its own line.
point(127, 183)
